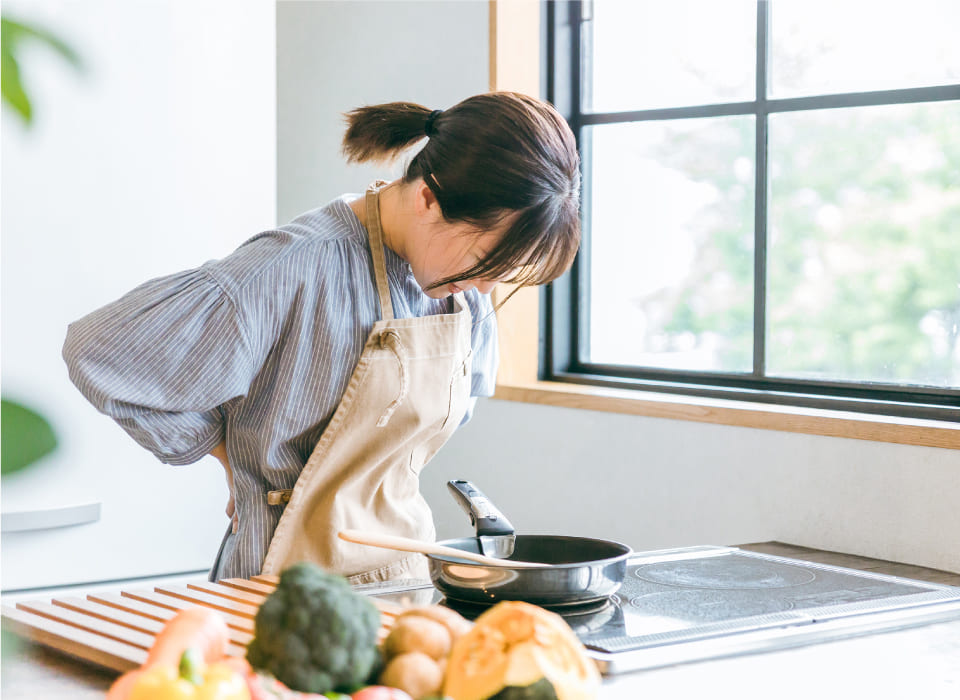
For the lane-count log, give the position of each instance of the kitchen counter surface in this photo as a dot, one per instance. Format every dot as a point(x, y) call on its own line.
point(920, 662)
point(35, 671)
point(915, 663)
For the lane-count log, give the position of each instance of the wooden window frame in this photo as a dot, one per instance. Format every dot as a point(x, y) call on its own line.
point(515, 60)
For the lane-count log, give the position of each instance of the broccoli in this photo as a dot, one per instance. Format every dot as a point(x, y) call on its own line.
point(314, 633)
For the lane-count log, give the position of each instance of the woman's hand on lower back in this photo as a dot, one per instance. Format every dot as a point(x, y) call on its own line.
point(220, 452)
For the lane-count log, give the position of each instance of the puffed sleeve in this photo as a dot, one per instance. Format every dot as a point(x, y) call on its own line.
point(486, 354)
point(161, 361)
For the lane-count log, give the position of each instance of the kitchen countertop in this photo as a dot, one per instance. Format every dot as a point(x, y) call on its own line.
point(920, 662)
point(915, 663)
point(35, 671)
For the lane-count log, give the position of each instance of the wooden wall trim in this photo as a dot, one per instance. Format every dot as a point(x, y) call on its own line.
point(515, 66)
point(858, 426)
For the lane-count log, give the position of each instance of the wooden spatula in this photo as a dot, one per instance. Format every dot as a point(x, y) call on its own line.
point(405, 544)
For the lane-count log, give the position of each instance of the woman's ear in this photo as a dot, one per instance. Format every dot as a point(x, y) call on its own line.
point(425, 202)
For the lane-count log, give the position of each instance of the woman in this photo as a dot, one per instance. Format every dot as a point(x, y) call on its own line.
point(325, 362)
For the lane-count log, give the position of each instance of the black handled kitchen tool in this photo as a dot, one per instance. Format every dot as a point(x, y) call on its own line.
point(494, 532)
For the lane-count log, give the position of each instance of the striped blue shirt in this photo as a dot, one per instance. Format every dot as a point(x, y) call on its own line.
point(256, 348)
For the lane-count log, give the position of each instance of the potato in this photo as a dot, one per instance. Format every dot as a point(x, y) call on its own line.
point(418, 633)
point(451, 619)
point(414, 672)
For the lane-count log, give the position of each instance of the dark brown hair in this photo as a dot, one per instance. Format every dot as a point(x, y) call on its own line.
point(490, 157)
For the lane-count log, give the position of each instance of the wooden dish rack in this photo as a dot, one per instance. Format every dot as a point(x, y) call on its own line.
point(115, 630)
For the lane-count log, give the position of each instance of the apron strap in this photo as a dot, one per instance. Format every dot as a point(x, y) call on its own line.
point(375, 233)
point(391, 339)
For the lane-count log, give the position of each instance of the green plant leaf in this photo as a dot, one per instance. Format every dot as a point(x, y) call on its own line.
point(26, 436)
point(13, 92)
point(12, 33)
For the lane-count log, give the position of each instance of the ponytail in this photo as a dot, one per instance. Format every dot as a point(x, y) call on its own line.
point(381, 132)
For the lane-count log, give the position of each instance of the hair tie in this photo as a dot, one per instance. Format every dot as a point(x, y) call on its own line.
point(428, 127)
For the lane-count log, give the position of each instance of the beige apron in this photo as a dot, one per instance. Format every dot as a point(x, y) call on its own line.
point(407, 395)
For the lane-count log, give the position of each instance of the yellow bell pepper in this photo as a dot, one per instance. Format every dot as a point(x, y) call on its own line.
point(191, 681)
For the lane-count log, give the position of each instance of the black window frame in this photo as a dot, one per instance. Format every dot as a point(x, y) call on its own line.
point(560, 316)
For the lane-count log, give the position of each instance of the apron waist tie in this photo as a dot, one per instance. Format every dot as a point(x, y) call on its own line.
point(391, 339)
point(276, 498)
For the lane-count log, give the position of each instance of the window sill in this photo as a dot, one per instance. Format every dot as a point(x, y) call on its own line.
point(856, 426)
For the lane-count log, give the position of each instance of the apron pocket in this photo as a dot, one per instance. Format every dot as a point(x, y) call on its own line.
point(459, 391)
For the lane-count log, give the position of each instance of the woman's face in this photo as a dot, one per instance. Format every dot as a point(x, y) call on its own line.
point(440, 249)
point(448, 250)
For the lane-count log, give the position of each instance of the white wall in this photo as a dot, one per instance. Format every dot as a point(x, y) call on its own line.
point(161, 155)
point(335, 56)
point(649, 482)
point(656, 483)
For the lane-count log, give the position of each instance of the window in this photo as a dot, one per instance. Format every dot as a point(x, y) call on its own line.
point(771, 201)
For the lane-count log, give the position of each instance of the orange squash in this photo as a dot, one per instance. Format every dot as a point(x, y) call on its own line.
point(522, 651)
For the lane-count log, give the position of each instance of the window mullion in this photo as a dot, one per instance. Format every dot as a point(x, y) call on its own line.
point(580, 15)
point(760, 194)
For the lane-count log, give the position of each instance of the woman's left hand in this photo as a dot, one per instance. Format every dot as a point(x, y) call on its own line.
point(220, 452)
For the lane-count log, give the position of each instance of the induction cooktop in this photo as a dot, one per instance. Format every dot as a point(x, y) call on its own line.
point(694, 603)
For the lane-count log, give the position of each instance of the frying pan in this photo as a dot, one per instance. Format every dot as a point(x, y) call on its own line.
point(581, 570)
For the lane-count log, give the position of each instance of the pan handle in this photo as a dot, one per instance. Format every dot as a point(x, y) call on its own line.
point(484, 516)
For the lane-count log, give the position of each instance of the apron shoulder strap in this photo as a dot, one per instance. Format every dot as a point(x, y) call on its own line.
point(375, 232)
